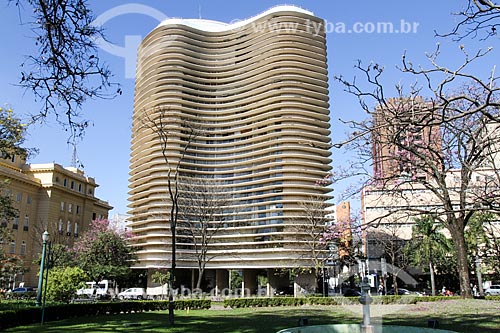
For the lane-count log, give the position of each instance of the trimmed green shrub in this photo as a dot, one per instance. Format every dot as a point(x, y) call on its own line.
point(30, 315)
point(492, 298)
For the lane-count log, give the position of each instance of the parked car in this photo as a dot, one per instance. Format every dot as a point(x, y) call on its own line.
point(22, 292)
point(133, 293)
point(493, 290)
point(351, 292)
point(92, 289)
point(401, 291)
point(282, 291)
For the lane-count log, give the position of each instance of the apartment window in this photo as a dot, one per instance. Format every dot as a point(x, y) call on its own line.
point(15, 225)
point(28, 199)
point(79, 187)
point(62, 206)
point(72, 185)
point(77, 209)
point(57, 179)
point(70, 208)
point(68, 228)
point(19, 197)
point(60, 227)
point(75, 231)
point(23, 248)
point(26, 223)
point(65, 182)
point(12, 248)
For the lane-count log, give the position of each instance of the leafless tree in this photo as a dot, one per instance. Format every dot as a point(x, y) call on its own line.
point(445, 151)
point(166, 124)
point(66, 69)
point(311, 226)
point(389, 238)
point(476, 17)
point(202, 202)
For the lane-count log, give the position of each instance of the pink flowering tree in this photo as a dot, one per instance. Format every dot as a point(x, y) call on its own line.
point(104, 253)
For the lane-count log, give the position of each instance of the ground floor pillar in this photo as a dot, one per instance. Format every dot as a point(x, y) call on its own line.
point(221, 281)
point(249, 285)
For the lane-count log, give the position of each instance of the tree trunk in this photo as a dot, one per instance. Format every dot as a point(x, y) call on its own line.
point(462, 264)
point(201, 270)
point(433, 282)
point(171, 304)
point(394, 275)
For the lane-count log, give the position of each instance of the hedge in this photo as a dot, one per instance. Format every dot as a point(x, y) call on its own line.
point(339, 300)
point(492, 298)
point(30, 315)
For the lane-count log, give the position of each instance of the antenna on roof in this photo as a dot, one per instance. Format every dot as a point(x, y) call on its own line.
point(75, 162)
point(73, 157)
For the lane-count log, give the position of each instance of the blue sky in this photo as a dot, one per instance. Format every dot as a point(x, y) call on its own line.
point(105, 150)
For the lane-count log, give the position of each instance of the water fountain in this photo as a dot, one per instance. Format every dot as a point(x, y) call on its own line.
point(365, 326)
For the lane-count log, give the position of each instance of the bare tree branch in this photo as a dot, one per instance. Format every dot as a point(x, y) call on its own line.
point(67, 70)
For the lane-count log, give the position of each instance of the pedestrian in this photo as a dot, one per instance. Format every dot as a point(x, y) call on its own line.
point(474, 290)
point(381, 289)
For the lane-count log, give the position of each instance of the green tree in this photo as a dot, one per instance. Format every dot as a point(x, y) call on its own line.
point(483, 244)
point(104, 253)
point(63, 282)
point(428, 246)
point(12, 134)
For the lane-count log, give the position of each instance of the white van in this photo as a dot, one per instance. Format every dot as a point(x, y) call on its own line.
point(92, 289)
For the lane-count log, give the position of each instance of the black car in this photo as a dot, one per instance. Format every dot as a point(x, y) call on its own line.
point(401, 291)
point(284, 291)
point(21, 292)
point(351, 293)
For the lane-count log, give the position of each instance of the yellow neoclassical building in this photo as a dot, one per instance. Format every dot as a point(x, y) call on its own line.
point(257, 93)
point(47, 197)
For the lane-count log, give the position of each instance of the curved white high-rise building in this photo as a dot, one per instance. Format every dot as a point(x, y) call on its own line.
point(257, 93)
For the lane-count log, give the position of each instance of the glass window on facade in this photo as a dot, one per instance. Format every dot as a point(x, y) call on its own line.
point(23, 248)
point(26, 223)
point(12, 248)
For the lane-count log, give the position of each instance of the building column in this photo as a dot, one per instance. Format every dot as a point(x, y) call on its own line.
point(249, 282)
point(221, 280)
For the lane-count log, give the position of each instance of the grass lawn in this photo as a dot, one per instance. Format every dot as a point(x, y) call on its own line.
point(473, 316)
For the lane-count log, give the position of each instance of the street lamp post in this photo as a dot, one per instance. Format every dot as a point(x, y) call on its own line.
point(45, 239)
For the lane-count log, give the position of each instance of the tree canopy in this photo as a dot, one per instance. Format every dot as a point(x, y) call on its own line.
point(104, 253)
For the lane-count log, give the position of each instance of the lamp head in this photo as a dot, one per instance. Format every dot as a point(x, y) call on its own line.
point(45, 236)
